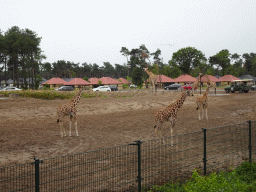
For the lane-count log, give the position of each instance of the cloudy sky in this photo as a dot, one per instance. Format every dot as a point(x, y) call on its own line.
point(94, 31)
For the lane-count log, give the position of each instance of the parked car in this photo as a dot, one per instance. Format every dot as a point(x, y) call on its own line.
point(133, 86)
point(11, 89)
point(253, 87)
point(113, 87)
point(65, 88)
point(173, 86)
point(102, 88)
point(188, 87)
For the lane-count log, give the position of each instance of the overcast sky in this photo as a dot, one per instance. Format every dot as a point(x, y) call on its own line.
point(94, 31)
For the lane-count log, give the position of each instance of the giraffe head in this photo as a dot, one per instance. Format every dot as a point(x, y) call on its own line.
point(145, 69)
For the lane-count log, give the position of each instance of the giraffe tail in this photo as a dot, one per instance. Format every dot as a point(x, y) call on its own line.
point(58, 120)
point(197, 108)
point(155, 126)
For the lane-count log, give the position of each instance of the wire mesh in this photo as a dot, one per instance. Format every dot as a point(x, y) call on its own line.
point(111, 169)
point(17, 178)
point(116, 169)
point(227, 147)
point(253, 127)
point(164, 160)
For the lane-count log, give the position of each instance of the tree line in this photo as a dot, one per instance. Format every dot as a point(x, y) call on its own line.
point(21, 57)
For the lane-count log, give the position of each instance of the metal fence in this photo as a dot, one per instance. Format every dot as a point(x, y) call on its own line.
point(137, 165)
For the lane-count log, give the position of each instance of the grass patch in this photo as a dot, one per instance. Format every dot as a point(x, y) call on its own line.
point(241, 179)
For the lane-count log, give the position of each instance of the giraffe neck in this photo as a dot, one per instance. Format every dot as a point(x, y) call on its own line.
point(148, 72)
point(77, 97)
point(206, 91)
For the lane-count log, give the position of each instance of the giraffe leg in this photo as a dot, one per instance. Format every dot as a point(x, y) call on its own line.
point(172, 120)
point(76, 128)
point(199, 115)
point(171, 136)
point(62, 130)
point(70, 124)
point(206, 113)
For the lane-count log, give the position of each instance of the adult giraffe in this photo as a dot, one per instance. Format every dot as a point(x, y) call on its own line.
point(152, 80)
point(69, 109)
point(169, 113)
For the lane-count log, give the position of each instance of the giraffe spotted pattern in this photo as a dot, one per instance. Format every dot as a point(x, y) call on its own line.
point(169, 113)
point(69, 109)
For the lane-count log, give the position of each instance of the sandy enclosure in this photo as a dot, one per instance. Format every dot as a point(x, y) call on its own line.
point(28, 126)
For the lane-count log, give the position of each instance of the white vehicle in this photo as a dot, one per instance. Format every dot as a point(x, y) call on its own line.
point(11, 89)
point(102, 88)
point(133, 86)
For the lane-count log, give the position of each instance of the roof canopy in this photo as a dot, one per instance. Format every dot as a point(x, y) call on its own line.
point(123, 80)
point(212, 78)
point(109, 81)
point(94, 80)
point(77, 81)
point(55, 81)
point(185, 79)
point(228, 78)
point(164, 79)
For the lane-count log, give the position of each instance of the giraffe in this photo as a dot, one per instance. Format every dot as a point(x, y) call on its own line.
point(196, 84)
point(152, 80)
point(69, 109)
point(209, 82)
point(202, 103)
point(169, 113)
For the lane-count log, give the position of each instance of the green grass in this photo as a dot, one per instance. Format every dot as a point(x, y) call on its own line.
point(241, 179)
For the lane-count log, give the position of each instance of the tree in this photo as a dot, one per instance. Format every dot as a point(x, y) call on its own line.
point(187, 59)
point(125, 52)
point(137, 76)
point(222, 59)
point(86, 69)
point(23, 52)
point(95, 70)
point(235, 57)
point(108, 69)
point(249, 62)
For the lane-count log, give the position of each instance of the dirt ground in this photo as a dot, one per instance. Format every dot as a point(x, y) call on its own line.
point(29, 126)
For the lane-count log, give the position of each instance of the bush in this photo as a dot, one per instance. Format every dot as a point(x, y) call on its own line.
point(241, 179)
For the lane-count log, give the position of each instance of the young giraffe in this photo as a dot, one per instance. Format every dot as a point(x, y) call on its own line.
point(69, 109)
point(196, 84)
point(152, 80)
point(212, 84)
point(202, 103)
point(169, 113)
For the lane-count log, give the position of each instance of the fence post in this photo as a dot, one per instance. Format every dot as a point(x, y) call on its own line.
point(250, 141)
point(204, 159)
point(138, 143)
point(37, 181)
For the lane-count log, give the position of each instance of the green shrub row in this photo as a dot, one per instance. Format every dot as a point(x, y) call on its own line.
point(241, 179)
point(50, 94)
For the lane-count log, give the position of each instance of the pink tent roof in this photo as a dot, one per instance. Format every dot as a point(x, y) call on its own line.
point(55, 81)
point(164, 79)
point(94, 80)
point(109, 81)
point(185, 79)
point(228, 78)
point(123, 80)
point(212, 78)
point(77, 81)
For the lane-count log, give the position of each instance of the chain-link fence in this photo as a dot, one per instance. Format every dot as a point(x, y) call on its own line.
point(136, 165)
